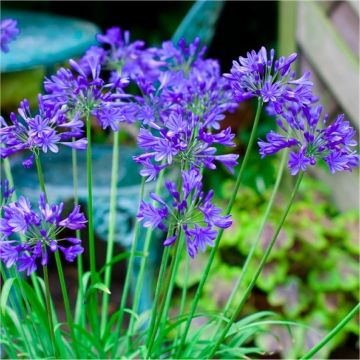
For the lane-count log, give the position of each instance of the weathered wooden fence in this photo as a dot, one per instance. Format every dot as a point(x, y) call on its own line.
point(326, 34)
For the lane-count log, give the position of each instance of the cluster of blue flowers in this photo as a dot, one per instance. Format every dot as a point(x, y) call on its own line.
point(297, 113)
point(41, 230)
point(179, 100)
point(191, 211)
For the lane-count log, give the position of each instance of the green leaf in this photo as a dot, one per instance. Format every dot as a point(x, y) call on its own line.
point(5, 292)
point(98, 286)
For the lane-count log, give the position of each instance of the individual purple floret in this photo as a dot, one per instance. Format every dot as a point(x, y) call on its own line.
point(191, 212)
point(314, 139)
point(8, 33)
point(261, 75)
point(43, 131)
point(41, 230)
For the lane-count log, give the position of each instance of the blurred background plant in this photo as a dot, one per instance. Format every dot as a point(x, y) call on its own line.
point(312, 275)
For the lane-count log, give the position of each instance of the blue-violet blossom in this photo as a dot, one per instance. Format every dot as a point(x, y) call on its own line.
point(191, 212)
point(41, 230)
point(43, 131)
point(314, 139)
point(261, 75)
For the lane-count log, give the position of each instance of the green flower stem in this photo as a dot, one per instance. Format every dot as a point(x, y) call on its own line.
point(167, 296)
point(79, 259)
point(93, 298)
point(161, 277)
point(49, 314)
point(58, 265)
point(130, 265)
point(9, 177)
point(177, 255)
point(218, 238)
point(258, 235)
point(183, 300)
point(332, 333)
point(259, 269)
point(111, 230)
point(90, 201)
point(144, 258)
point(45, 271)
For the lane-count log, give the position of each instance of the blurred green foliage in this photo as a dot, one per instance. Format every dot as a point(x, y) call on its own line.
point(312, 275)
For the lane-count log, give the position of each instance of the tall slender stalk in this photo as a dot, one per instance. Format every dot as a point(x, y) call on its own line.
point(183, 300)
point(93, 298)
point(332, 333)
point(161, 277)
point(90, 200)
point(45, 271)
point(111, 230)
point(258, 235)
point(167, 296)
point(259, 269)
point(79, 259)
point(58, 264)
point(49, 313)
point(218, 238)
point(146, 248)
point(130, 265)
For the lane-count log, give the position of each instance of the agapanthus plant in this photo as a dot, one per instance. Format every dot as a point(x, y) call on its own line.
point(178, 100)
point(42, 229)
point(8, 33)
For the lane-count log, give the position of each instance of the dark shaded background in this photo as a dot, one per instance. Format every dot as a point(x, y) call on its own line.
point(243, 25)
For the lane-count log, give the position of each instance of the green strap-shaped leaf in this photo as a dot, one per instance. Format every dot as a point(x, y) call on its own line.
point(200, 21)
point(5, 292)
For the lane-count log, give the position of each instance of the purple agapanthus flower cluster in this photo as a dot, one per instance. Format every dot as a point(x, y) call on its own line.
point(83, 92)
point(126, 58)
point(8, 33)
point(41, 230)
point(180, 112)
point(43, 131)
point(190, 212)
point(261, 75)
point(314, 138)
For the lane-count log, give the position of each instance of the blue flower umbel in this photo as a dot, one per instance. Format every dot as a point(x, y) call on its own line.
point(82, 92)
point(261, 75)
point(41, 230)
point(191, 212)
point(40, 132)
point(314, 139)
